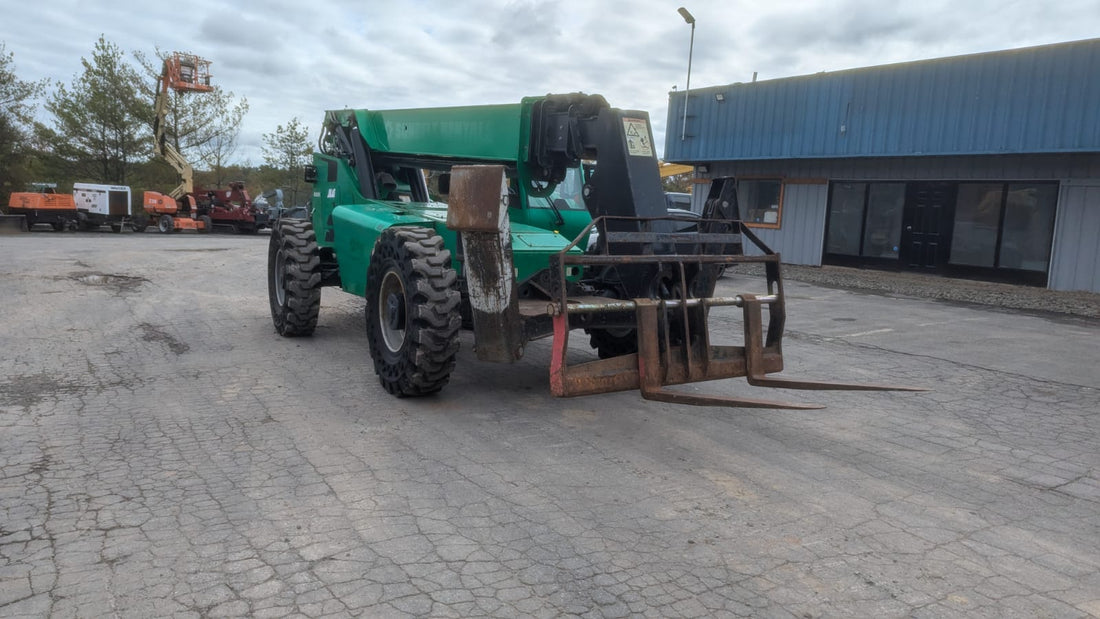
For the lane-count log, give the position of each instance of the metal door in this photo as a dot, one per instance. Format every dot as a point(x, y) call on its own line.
point(926, 224)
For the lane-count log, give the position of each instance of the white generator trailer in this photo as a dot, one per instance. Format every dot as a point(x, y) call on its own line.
point(99, 205)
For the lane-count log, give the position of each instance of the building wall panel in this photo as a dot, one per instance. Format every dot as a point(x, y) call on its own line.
point(1001, 167)
point(799, 238)
point(1032, 100)
point(1075, 261)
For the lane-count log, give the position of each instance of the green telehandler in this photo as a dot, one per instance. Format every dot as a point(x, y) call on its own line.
point(524, 221)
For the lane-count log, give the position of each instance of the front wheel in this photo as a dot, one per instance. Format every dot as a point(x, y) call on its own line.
point(412, 311)
point(294, 278)
point(207, 224)
point(166, 224)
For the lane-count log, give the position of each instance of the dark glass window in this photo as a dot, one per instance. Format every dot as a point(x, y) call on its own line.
point(977, 217)
point(845, 218)
point(759, 200)
point(1028, 226)
point(882, 232)
point(995, 225)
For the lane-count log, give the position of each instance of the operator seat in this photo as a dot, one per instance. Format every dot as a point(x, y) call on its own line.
point(387, 186)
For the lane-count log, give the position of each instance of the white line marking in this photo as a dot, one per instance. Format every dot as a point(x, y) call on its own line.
point(873, 332)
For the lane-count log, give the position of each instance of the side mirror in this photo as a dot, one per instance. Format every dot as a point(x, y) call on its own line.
point(311, 173)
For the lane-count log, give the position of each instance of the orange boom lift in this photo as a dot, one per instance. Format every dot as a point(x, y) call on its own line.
point(177, 210)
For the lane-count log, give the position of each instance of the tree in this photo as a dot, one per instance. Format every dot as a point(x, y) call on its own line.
point(16, 109)
point(216, 154)
point(678, 183)
point(288, 150)
point(100, 127)
point(16, 95)
point(203, 127)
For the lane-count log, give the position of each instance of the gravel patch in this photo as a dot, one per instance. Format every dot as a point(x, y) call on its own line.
point(1028, 298)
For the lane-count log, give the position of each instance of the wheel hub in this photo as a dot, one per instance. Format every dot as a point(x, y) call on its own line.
point(279, 273)
point(395, 311)
point(391, 311)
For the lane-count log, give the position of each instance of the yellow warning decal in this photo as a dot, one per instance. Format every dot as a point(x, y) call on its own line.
point(637, 137)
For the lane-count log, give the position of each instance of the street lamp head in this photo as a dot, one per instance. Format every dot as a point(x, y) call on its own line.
point(686, 15)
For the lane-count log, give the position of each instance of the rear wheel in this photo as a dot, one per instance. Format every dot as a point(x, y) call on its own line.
point(207, 224)
point(613, 342)
point(412, 311)
point(166, 224)
point(294, 278)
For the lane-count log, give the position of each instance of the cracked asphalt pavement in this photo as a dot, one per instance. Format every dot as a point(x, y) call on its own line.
point(164, 453)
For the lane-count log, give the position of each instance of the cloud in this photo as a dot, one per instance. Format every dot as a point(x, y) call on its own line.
point(296, 60)
point(527, 23)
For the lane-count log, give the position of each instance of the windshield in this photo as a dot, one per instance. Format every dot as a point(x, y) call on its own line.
point(569, 190)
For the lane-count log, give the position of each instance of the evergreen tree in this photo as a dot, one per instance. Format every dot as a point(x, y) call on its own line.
point(100, 127)
point(288, 150)
point(16, 108)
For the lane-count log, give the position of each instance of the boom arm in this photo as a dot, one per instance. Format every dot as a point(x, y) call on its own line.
point(183, 73)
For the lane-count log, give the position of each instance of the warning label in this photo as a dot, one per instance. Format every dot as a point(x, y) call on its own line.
point(637, 137)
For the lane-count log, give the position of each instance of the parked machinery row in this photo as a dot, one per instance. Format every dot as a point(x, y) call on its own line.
point(91, 206)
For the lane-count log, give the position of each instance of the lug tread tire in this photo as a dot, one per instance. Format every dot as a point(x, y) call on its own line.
point(297, 315)
point(427, 356)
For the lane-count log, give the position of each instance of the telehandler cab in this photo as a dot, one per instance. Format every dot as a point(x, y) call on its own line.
point(481, 216)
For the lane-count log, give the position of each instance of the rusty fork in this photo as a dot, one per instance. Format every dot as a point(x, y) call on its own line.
point(659, 363)
point(663, 360)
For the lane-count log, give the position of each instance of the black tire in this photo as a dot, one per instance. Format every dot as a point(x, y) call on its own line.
point(294, 278)
point(166, 224)
point(412, 311)
point(139, 226)
point(58, 226)
point(82, 222)
point(614, 342)
point(207, 224)
point(116, 228)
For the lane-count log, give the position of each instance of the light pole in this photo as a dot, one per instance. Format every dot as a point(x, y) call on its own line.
point(691, 48)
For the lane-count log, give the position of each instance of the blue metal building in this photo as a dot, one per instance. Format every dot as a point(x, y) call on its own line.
point(985, 165)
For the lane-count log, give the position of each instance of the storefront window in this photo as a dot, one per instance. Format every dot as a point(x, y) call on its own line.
point(760, 201)
point(977, 217)
point(845, 218)
point(988, 226)
point(882, 232)
point(1028, 225)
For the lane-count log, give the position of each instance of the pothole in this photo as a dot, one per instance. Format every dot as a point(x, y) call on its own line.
point(26, 391)
point(109, 280)
point(153, 333)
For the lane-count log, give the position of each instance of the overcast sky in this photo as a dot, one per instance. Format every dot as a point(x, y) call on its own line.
point(295, 58)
